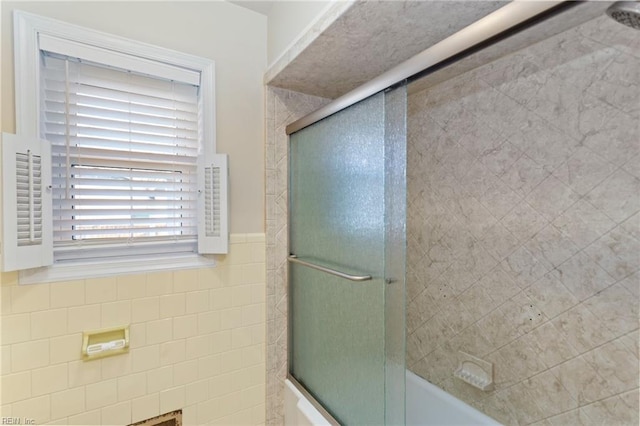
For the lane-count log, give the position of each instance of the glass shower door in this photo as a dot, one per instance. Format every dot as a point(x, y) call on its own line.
point(346, 279)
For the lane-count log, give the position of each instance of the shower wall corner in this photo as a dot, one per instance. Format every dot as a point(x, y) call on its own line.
point(282, 107)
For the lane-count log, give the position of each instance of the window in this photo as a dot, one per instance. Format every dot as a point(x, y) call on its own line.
point(124, 158)
point(114, 154)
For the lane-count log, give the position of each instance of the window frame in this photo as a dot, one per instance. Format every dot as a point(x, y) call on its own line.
point(27, 27)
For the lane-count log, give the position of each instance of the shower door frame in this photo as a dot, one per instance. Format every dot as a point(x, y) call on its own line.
point(310, 398)
point(395, 149)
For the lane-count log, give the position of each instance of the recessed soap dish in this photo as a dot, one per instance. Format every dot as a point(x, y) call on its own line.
point(475, 371)
point(106, 342)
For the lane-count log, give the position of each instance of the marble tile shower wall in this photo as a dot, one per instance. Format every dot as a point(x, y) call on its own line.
point(283, 107)
point(524, 229)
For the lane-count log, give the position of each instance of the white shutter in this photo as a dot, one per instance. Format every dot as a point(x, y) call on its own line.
point(26, 200)
point(213, 210)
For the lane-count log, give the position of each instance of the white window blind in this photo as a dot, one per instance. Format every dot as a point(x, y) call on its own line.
point(124, 159)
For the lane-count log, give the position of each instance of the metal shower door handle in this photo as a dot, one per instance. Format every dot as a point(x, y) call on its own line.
point(294, 259)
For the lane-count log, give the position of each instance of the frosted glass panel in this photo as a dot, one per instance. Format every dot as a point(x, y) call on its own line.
point(337, 220)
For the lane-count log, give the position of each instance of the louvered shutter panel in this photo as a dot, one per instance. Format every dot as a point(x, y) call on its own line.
point(26, 198)
point(213, 216)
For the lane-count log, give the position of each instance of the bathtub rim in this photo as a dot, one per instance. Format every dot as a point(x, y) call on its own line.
point(412, 380)
point(305, 393)
point(440, 394)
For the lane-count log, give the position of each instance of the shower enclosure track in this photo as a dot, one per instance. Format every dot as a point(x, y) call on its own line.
point(499, 25)
point(514, 17)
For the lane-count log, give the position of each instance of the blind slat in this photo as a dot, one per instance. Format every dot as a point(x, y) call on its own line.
point(58, 100)
point(85, 156)
point(83, 94)
point(124, 232)
point(179, 148)
point(111, 79)
point(115, 173)
point(87, 214)
point(64, 203)
point(133, 185)
point(135, 223)
point(58, 108)
point(121, 124)
point(88, 136)
point(104, 142)
point(86, 193)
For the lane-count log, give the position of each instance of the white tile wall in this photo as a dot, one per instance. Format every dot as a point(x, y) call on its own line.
point(194, 345)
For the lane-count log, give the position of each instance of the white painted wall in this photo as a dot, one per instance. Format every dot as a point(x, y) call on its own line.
point(234, 37)
point(174, 316)
point(288, 20)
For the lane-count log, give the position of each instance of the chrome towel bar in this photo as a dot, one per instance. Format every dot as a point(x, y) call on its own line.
point(294, 259)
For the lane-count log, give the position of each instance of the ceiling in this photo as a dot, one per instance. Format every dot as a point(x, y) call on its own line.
point(262, 7)
point(372, 37)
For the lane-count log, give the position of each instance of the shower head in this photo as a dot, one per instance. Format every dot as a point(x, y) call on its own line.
point(626, 12)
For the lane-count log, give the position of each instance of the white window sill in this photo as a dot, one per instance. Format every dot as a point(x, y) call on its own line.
point(131, 265)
